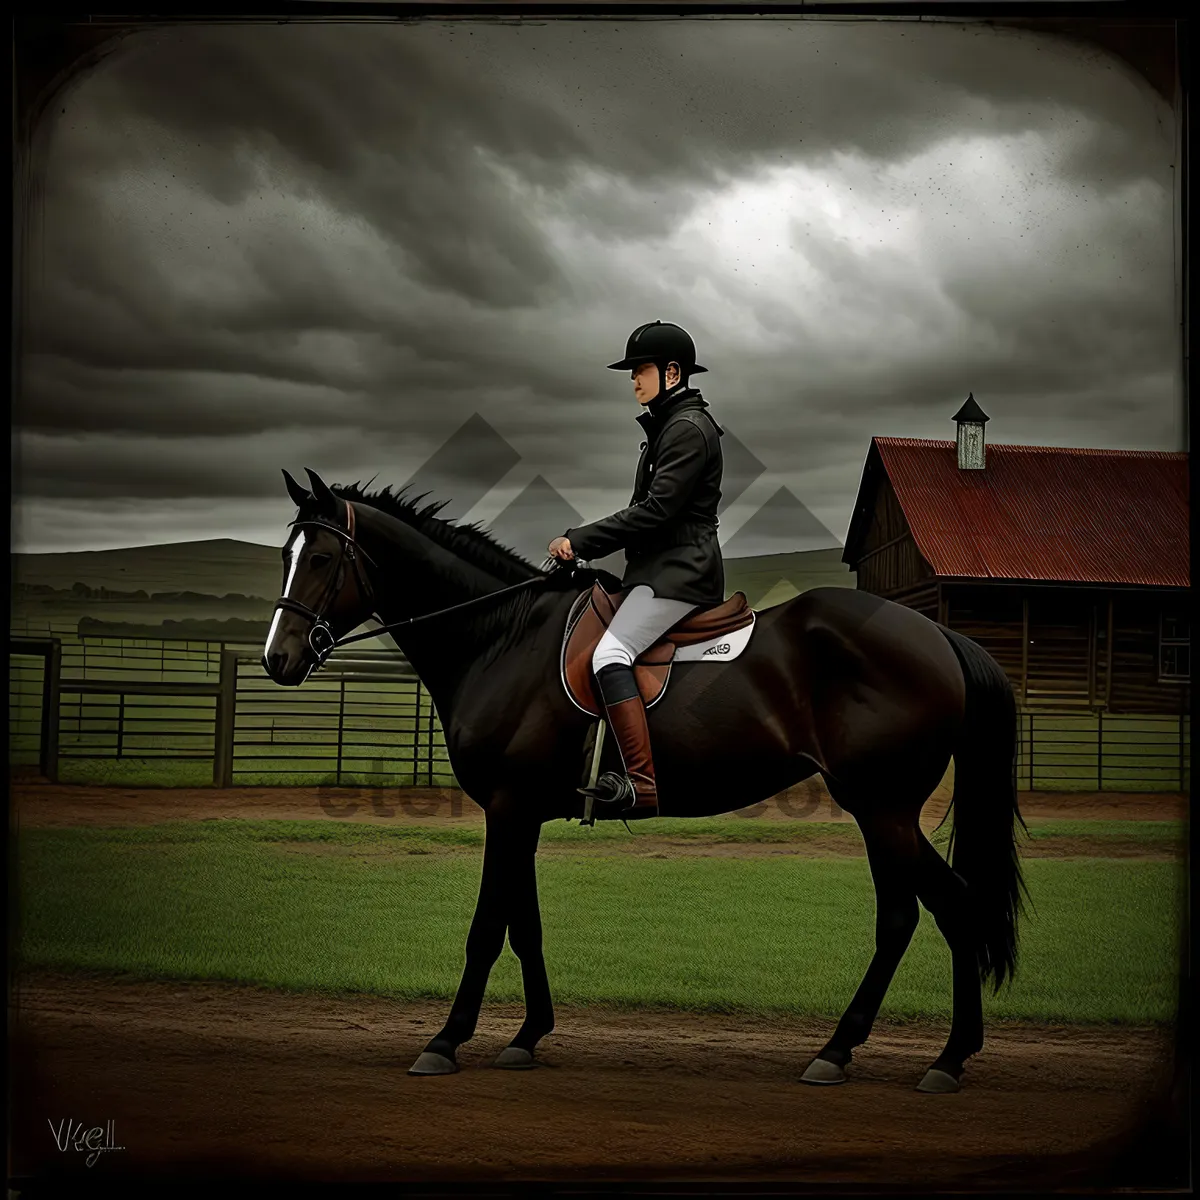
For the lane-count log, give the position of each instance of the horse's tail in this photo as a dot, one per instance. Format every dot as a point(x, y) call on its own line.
point(984, 811)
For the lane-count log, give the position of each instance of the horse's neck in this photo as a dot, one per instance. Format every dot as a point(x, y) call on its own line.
point(442, 648)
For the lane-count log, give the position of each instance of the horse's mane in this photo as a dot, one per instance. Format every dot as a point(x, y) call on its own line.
point(471, 543)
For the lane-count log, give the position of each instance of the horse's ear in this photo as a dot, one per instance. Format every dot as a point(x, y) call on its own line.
point(300, 497)
point(327, 502)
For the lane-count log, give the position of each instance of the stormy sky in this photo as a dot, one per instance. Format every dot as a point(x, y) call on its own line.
point(408, 252)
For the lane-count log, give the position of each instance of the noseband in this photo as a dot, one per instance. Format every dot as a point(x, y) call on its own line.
point(321, 639)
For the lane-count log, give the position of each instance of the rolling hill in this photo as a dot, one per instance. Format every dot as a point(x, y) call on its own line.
point(216, 567)
point(224, 567)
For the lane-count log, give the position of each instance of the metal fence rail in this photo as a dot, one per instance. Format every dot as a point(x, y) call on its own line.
point(127, 719)
point(208, 713)
point(365, 720)
point(1073, 750)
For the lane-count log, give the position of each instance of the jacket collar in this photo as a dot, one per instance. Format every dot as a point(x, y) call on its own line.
point(662, 406)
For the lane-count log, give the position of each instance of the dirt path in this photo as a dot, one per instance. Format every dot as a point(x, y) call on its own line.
point(43, 804)
point(206, 1079)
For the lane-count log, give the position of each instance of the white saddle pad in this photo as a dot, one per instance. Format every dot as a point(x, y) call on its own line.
point(718, 649)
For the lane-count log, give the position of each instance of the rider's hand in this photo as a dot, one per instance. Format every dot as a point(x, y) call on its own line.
point(561, 548)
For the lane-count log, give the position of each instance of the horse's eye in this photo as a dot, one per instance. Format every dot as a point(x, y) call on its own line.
point(321, 560)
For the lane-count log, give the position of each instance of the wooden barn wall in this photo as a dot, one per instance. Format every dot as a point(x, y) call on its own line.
point(887, 518)
point(1135, 683)
point(1066, 661)
point(922, 596)
point(1059, 668)
point(1045, 639)
point(992, 617)
point(889, 561)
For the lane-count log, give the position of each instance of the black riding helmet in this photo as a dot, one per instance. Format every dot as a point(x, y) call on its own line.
point(660, 342)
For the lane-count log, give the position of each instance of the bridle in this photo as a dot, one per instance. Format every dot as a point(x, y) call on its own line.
point(321, 639)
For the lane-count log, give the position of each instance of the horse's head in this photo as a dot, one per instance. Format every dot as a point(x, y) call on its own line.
point(326, 592)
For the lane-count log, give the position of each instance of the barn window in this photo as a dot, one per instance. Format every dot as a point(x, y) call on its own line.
point(1174, 646)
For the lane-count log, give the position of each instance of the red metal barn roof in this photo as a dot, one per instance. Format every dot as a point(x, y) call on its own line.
point(1044, 512)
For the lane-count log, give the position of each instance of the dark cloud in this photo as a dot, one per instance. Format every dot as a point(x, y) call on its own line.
point(148, 468)
point(369, 121)
point(261, 244)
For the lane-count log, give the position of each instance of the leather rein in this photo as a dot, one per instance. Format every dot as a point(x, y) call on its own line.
point(321, 639)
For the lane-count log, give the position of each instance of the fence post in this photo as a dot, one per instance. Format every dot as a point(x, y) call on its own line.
point(341, 727)
point(1182, 755)
point(226, 712)
point(51, 678)
point(429, 750)
point(1031, 751)
point(416, 731)
point(1100, 751)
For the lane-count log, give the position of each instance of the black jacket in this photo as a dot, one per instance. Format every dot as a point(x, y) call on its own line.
point(669, 530)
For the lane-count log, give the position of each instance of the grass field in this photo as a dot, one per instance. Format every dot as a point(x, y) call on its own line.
point(325, 906)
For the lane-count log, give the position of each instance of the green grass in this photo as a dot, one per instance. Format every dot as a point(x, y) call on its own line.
point(136, 772)
point(247, 901)
point(610, 834)
point(175, 772)
point(1156, 832)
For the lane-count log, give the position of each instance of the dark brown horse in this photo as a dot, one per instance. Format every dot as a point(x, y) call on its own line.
point(873, 696)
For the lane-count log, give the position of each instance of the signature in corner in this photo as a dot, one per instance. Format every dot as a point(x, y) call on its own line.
point(71, 1135)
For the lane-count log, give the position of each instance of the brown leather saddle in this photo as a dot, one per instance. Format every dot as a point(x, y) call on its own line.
point(589, 618)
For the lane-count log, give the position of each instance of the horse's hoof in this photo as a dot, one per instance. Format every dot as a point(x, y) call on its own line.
point(433, 1064)
point(513, 1058)
point(938, 1082)
point(821, 1070)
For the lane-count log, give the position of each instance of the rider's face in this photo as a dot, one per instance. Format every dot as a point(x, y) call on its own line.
point(645, 380)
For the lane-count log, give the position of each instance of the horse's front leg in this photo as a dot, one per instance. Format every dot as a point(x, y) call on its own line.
point(525, 938)
point(508, 853)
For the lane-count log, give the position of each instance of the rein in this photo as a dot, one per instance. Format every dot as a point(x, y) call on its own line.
point(321, 639)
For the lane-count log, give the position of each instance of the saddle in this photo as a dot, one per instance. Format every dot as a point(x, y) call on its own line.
point(590, 617)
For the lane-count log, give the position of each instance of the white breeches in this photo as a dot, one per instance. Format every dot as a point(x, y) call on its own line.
point(640, 621)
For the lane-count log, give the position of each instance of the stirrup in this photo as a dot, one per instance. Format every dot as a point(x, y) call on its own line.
point(612, 788)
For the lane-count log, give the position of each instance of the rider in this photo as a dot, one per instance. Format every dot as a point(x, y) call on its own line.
point(669, 535)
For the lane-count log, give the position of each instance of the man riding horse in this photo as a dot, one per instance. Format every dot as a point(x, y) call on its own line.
point(669, 535)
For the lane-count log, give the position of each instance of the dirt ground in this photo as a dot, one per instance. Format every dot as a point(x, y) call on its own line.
point(204, 1079)
point(36, 803)
point(208, 1081)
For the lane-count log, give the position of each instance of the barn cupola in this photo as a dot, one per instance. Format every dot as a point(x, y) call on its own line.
point(971, 420)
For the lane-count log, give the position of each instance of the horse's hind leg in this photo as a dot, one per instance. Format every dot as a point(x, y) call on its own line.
point(893, 852)
point(944, 893)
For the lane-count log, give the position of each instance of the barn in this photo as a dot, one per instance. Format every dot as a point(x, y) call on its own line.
point(1069, 565)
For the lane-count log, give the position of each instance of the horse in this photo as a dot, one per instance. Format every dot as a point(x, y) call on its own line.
point(874, 697)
